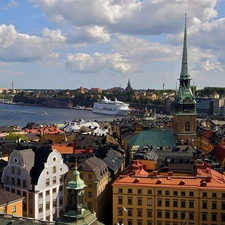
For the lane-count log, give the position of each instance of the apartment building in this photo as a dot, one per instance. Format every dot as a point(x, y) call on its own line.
point(142, 198)
point(38, 176)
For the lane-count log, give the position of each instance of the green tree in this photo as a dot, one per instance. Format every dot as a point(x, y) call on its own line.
point(15, 136)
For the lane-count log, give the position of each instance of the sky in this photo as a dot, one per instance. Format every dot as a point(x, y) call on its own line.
point(66, 44)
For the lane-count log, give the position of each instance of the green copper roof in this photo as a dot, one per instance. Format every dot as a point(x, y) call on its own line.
point(76, 182)
point(156, 138)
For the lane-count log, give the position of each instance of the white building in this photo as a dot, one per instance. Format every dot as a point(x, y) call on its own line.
point(38, 175)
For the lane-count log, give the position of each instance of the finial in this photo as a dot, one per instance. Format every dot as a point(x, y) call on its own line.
point(75, 163)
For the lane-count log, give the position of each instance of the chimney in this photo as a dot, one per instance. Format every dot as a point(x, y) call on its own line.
point(155, 173)
point(208, 179)
point(170, 173)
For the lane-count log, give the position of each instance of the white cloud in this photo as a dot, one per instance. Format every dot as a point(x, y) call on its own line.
point(89, 64)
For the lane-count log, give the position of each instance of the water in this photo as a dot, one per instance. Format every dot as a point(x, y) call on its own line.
point(20, 115)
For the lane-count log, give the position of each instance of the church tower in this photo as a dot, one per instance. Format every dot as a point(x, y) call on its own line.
point(185, 114)
point(129, 88)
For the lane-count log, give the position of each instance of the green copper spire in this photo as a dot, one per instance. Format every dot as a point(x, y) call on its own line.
point(184, 68)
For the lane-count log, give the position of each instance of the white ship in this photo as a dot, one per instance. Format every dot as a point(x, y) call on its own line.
point(106, 106)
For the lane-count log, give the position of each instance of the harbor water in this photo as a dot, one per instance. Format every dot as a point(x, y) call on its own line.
point(20, 115)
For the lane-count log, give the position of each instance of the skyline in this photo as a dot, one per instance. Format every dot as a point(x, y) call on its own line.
point(65, 44)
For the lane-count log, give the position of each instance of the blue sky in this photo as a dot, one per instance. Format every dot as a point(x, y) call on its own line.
point(65, 44)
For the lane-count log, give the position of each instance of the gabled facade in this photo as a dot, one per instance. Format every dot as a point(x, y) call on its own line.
point(38, 175)
point(184, 119)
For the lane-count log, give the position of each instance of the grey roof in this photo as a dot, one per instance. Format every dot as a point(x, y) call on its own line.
point(28, 158)
point(113, 160)
point(8, 197)
point(95, 165)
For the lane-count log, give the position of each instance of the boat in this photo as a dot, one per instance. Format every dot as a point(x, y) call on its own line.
point(109, 107)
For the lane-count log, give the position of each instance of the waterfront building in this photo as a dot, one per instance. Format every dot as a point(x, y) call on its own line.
point(38, 176)
point(169, 198)
point(184, 119)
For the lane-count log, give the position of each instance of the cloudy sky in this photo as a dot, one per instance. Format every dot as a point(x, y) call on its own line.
point(65, 44)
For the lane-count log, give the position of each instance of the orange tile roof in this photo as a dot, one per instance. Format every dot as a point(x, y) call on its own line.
point(206, 178)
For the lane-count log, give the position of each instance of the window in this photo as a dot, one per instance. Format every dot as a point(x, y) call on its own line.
point(54, 180)
point(61, 201)
point(159, 192)
point(120, 212)
point(149, 201)
point(13, 170)
point(129, 201)
point(175, 215)
point(139, 212)
point(191, 204)
point(139, 222)
point(40, 208)
point(90, 194)
point(159, 214)
point(24, 194)
point(204, 216)
point(204, 194)
point(54, 204)
point(149, 213)
point(214, 195)
point(183, 204)
point(13, 190)
point(120, 190)
point(167, 214)
point(139, 201)
point(54, 169)
point(183, 193)
point(18, 192)
point(130, 222)
point(139, 191)
point(182, 215)
point(13, 181)
point(13, 209)
point(24, 183)
point(167, 203)
point(18, 171)
point(7, 188)
point(187, 126)
point(149, 192)
point(7, 179)
point(223, 205)
point(129, 212)
point(18, 182)
point(175, 203)
point(47, 182)
point(159, 202)
point(214, 205)
point(149, 222)
point(90, 205)
point(191, 193)
point(61, 178)
point(90, 176)
point(40, 195)
point(47, 193)
point(167, 192)
point(204, 205)
point(61, 188)
point(120, 200)
point(129, 190)
point(54, 190)
point(191, 216)
point(175, 193)
point(214, 217)
point(222, 217)
point(223, 195)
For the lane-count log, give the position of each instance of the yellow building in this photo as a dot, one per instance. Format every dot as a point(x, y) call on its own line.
point(11, 203)
point(140, 198)
point(97, 194)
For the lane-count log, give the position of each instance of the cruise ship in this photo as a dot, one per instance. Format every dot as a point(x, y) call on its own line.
point(108, 107)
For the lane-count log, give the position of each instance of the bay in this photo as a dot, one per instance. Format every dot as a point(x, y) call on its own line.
point(20, 115)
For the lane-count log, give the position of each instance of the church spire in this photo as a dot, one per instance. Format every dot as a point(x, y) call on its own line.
point(184, 68)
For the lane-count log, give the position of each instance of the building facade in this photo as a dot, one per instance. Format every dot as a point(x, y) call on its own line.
point(143, 198)
point(38, 175)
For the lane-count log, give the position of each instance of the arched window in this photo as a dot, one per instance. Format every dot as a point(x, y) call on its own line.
point(13, 170)
point(54, 169)
point(187, 126)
